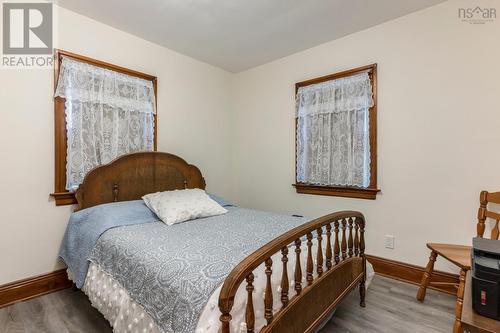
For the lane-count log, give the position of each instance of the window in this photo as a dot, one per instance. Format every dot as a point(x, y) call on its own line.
point(102, 111)
point(336, 148)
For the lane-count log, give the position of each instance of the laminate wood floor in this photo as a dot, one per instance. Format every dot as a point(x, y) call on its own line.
point(391, 307)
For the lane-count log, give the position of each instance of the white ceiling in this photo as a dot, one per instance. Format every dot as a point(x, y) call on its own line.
point(240, 34)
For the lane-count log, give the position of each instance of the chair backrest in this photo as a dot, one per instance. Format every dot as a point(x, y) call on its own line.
point(483, 214)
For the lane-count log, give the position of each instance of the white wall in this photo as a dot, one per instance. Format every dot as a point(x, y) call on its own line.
point(193, 122)
point(438, 128)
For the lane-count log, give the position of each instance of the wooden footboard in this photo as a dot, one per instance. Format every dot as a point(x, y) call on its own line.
point(340, 266)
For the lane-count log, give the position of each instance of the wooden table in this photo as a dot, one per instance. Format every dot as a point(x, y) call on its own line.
point(471, 321)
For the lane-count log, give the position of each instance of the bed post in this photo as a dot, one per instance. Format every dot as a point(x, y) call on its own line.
point(362, 287)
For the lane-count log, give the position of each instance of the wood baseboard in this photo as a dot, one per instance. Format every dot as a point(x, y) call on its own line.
point(413, 274)
point(33, 287)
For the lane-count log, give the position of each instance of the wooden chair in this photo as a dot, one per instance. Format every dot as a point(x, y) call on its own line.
point(460, 255)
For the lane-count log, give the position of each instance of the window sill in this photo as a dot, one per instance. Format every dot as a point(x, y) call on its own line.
point(337, 191)
point(64, 198)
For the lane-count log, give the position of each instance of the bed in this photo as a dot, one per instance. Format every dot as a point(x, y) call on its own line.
point(244, 271)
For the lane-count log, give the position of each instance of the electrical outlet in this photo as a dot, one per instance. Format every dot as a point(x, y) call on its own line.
point(389, 242)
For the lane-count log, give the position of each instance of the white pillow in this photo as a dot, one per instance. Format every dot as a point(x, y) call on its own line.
point(182, 205)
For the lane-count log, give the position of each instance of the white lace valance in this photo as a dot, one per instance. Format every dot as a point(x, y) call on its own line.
point(344, 94)
point(83, 82)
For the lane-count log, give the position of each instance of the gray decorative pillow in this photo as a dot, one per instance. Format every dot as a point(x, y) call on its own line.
point(182, 205)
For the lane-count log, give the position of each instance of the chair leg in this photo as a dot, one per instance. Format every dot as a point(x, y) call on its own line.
point(427, 277)
point(457, 328)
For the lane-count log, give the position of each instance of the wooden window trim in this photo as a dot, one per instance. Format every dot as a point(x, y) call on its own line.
point(61, 195)
point(346, 191)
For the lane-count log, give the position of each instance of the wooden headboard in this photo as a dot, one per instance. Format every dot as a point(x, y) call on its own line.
point(129, 177)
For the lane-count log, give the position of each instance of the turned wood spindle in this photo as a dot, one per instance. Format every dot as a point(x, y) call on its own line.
point(319, 257)
point(285, 285)
point(328, 246)
point(268, 298)
point(350, 240)
point(298, 268)
point(344, 240)
point(336, 246)
point(361, 238)
point(362, 287)
point(309, 265)
point(356, 239)
point(481, 214)
point(250, 314)
point(460, 302)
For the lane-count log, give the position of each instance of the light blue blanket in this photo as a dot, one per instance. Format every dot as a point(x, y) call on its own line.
point(86, 226)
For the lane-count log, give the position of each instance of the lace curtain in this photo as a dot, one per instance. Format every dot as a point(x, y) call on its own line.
point(108, 114)
point(333, 145)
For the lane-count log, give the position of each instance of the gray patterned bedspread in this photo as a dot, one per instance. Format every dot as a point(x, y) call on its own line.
point(173, 270)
